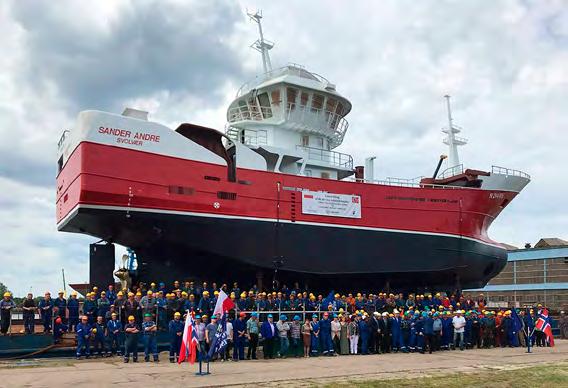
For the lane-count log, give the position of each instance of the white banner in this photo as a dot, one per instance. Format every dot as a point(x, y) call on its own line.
point(332, 205)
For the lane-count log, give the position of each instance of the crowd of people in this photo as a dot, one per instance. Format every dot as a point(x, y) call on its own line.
point(287, 322)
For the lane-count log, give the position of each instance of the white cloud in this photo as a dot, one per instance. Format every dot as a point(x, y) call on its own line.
point(504, 63)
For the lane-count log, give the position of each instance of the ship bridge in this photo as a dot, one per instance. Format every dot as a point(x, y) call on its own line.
point(293, 117)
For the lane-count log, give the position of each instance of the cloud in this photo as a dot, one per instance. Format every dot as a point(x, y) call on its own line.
point(504, 63)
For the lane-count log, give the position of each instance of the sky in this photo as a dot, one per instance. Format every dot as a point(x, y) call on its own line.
point(505, 64)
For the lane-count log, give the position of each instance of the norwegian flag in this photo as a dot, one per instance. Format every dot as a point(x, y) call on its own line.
point(189, 343)
point(543, 324)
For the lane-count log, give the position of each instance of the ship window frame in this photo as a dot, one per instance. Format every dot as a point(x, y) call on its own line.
point(325, 175)
point(295, 92)
point(305, 140)
point(304, 98)
point(317, 102)
point(265, 108)
point(275, 97)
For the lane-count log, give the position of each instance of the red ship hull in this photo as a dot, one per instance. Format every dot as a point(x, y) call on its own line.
point(185, 218)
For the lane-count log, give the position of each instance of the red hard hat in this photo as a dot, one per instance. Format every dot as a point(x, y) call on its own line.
point(241, 314)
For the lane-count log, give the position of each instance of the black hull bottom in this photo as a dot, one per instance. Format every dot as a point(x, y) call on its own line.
point(178, 247)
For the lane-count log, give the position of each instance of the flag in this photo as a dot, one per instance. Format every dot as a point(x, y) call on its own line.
point(529, 322)
point(517, 323)
point(543, 324)
point(189, 342)
point(219, 342)
point(326, 302)
point(224, 303)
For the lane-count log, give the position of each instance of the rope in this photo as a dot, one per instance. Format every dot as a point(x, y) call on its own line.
point(40, 351)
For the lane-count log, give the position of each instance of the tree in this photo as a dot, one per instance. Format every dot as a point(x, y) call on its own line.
point(3, 289)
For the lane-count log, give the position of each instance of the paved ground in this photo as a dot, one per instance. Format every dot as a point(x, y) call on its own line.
point(299, 372)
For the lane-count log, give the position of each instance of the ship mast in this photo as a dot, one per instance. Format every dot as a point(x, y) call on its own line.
point(262, 45)
point(452, 140)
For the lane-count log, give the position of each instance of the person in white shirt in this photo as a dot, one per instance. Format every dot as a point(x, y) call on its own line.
point(335, 333)
point(459, 328)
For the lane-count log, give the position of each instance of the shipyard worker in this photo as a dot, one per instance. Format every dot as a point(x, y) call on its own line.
point(226, 353)
point(114, 328)
point(242, 302)
point(210, 331)
point(325, 335)
point(60, 306)
point(384, 333)
point(253, 328)
point(236, 288)
point(365, 331)
point(269, 333)
point(283, 329)
point(110, 294)
point(239, 337)
point(176, 286)
point(428, 332)
point(90, 307)
point(148, 303)
point(58, 329)
point(119, 305)
point(396, 335)
point(131, 340)
point(204, 305)
point(28, 311)
point(103, 305)
point(73, 311)
point(161, 318)
point(83, 334)
point(200, 329)
point(46, 311)
point(315, 337)
point(6, 306)
point(131, 306)
point(563, 325)
point(98, 333)
point(149, 330)
point(175, 329)
point(459, 328)
point(296, 336)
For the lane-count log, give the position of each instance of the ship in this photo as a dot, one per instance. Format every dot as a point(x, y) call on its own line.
point(270, 198)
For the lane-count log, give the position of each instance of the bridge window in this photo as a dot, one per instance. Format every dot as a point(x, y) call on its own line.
point(319, 142)
point(244, 110)
point(330, 105)
point(305, 140)
point(317, 102)
point(275, 95)
point(265, 105)
point(325, 175)
point(291, 97)
point(304, 98)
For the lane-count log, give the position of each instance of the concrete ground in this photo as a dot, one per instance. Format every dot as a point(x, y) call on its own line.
point(299, 372)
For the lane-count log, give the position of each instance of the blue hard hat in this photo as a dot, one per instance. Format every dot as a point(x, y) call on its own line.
point(269, 315)
point(314, 315)
point(255, 314)
point(296, 317)
point(162, 284)
point(334, 315)
point(424, 314)
point(198, 316)
point(283, 317)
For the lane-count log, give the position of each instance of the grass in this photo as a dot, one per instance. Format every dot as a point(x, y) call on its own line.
point(550, 375)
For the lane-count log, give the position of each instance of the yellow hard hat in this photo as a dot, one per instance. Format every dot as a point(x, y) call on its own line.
point(131, 318)
point(74, 293)
point(243, 294)
point(113, 315)
point(177, 314)
point(152, 284)
point(183, 293)
point(7, 294)
point(138, 293)
point(337, 295)
point(61, 292)
point(216, 293)
point(130, 294)
point(94, 330)
point(95, 288)
point(103, 293)
point(149, 292)
point(205, 292)
point(119, 293)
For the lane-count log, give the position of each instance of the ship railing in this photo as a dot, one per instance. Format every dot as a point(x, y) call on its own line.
point(252, 137)
point(291, 69)
point(249, 113)
point(411, 183)
point(451, 171)
point(509, 172)
point(333, 158)
point(327, 123)
point(263, 314)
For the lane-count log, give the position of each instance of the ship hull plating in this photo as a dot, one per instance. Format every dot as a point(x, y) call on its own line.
point(175, 246)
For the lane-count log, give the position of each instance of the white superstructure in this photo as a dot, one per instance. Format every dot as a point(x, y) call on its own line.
point(292, 117)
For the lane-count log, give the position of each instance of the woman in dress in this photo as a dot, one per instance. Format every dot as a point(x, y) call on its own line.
point(343, 336)
point(307, 336)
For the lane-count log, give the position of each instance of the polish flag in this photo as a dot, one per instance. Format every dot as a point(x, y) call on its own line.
point(189, 342)
point(224, 303)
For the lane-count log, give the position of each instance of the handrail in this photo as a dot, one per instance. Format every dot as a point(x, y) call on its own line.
point(408, 183)
point(332, 157)
point(451, 171)
point(62, 138)
point(508, 171)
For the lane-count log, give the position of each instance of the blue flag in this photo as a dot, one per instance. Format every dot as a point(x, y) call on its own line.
point(517, 323)
point(219, 342)
point(529, 323)
point(328, 299)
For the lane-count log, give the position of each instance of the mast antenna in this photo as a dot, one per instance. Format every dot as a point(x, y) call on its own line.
point(261, 45)
point(452, 140)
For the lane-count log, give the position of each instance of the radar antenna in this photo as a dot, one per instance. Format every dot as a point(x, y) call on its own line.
point(452, 140)
point(261, 45)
